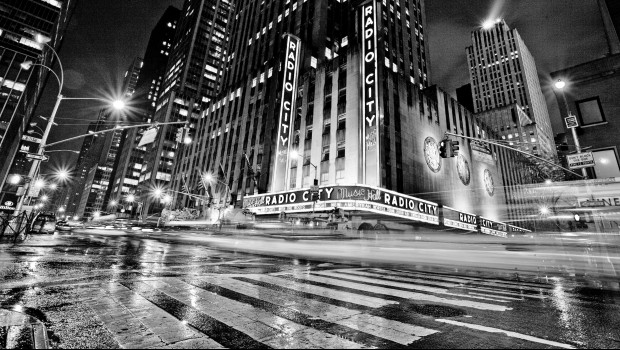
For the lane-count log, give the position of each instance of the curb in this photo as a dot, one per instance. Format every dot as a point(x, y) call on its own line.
point(25, 323)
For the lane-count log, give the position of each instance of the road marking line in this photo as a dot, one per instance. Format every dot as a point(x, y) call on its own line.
point(486, 282)
point(508, 333)
point(408, 286)
point(404, 294)
point(396, 331)
point(326, 292)
point(256, 323)
point(519, 296)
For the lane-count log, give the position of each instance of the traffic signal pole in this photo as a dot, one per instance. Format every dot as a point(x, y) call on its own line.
point(514, 149)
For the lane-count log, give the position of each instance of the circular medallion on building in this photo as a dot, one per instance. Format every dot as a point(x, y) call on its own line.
point(462, 166)
point(489, 185)
point(431, 154)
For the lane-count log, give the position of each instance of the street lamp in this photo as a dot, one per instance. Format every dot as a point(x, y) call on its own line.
point(296, 154)
point(34, 169)
point(560, 85)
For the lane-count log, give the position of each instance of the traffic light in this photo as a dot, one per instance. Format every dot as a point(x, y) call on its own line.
point(314, 196)
point(454, 145)
point(179, 135)
point(445, 148)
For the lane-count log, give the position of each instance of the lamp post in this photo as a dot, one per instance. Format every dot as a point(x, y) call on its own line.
point(560, 85)
point(34, 169)
point(296, 154)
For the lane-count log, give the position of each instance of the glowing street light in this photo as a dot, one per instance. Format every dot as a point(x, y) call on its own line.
point(544, 210)
point(39, 183)
point(560, 84)
point(130, 198)
point(44, 198)
point(61, 210)
point(15, 179)
point(118, 104)
point(113, 203)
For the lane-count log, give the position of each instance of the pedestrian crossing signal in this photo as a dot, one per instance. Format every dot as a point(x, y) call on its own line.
point(445, 148)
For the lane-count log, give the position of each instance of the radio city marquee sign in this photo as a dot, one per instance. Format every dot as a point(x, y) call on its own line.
point(287, 111)
point(458, 219)
point(370, 108)
point(493, 228)
point(363, 198)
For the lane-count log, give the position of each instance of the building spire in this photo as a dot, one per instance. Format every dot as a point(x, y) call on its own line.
point(610, 33)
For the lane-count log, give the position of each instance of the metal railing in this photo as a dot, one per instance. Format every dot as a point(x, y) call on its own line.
point(15, 227)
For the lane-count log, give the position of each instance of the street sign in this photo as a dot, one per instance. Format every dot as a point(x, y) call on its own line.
point(40, 157)
point(571, 122)
point(314, 189)
point(31, 139)
point(580, 160)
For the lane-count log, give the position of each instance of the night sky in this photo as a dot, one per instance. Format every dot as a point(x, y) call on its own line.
point(105, 36)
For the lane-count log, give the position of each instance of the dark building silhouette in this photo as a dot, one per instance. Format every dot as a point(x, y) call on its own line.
point(463, 95)
point(20, 22)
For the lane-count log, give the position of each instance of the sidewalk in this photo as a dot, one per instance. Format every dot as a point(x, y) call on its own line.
point(20, 331)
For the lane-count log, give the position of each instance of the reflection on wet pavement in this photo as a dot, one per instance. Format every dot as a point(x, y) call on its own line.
point(158, 292)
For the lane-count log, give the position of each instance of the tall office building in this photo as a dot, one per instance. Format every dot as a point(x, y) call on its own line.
point(337, 93)
point(130, 82)
point(103, 154)
point(20, 89)
point(502, 72)
point(148, 88)
point(192, 79)
point(90, 155)
point(321, 75)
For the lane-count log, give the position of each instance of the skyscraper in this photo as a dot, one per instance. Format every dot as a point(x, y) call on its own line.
point(335, 93)
point(191, 81)
point(148, 88)
point(20, 21)
point(502, 72)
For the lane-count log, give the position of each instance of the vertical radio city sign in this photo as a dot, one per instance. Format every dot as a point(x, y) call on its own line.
point(370, 108)
point(287, 112)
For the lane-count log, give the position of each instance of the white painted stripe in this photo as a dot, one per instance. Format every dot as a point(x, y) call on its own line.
point(508, 333)
point(486, 282)
point(325, 292)
point(409, 286)
point(261, 325)
point(514, 294)
point(519, 296)
point(405, 294)
point(401, 278)
point(497, 296)
point(144, 324)
point(378, 326)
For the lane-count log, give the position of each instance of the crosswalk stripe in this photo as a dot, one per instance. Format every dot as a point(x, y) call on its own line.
point(400, 293)
point(222, 333)
point(408, 286)
point(519, 296)
point(144, 323)
point(368, 301)
point(470, 280)
point(508, 333)
point(255, 322)
point(347, 333)
point(389, 329)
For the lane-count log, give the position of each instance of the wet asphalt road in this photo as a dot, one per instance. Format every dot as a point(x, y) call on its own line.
point(105, 290)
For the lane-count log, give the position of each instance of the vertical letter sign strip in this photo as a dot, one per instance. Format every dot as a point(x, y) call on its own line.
point(287, 113)
point(370, 108)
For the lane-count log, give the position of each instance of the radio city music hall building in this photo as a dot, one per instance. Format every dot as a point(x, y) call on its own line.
point(346, 89)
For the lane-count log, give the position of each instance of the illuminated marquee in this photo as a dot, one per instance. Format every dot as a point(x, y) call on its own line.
point(287, 112)
point(458, 219)
point(346, 197)
point(370, 115)
point(493, 228)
